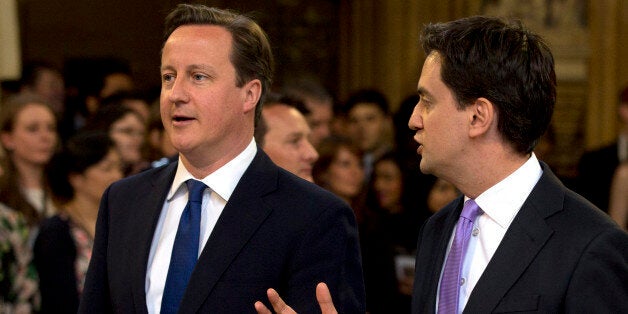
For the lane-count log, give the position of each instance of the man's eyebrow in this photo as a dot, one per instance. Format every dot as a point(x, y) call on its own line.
point(165, 67)
point(199, 66)
point(423, 92)
point(190, 67)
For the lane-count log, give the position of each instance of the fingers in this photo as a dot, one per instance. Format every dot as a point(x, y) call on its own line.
point(261, 308)
point(323, 296)
point(278, 304)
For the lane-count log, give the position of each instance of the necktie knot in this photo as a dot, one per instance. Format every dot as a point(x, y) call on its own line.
point(195, 190)
point(471, 210)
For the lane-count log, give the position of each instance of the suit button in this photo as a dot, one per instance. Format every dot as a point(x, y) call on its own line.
point(476, 231)
point(462, 281)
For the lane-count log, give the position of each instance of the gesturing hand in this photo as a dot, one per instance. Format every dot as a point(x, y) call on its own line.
point(323, 296)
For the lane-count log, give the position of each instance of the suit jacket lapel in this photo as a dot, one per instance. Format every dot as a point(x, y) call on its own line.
point(240, 218)
point(526, 236)
point(148, 215)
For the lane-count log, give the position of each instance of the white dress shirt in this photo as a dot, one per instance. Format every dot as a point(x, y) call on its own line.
point(221, 184)
point(500, 205)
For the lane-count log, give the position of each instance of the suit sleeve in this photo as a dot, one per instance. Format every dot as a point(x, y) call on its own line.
point(329, 252)
point(600, 281)
point(95, 298)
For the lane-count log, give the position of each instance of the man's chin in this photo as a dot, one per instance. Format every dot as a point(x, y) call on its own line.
point(424, 167)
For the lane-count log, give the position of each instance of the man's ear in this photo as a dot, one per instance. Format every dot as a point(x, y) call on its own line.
point(253, 92)
point(482, 116)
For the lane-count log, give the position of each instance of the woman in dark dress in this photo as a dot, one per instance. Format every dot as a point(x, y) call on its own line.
point(78, 176)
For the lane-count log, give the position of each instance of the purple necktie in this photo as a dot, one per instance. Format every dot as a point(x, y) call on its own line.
point(450, 282)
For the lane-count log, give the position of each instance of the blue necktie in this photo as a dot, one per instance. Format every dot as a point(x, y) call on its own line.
point(185, 249)
point(451, 279)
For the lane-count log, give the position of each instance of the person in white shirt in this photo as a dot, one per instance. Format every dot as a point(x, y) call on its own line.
point(487, 92)
point(247, 224)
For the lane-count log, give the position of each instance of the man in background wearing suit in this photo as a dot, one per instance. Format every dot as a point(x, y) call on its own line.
point(487, 93)
point(250, 224)
point(284, 135)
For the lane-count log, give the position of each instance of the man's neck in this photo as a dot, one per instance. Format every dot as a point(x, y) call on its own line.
point(202, 164)
point(489, 171)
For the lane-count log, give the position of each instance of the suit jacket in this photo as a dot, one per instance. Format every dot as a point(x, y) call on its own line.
point(276, 230)
point(560, 254)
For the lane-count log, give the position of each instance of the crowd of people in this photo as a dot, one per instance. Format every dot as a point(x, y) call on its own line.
point(63, 145)
point(53, 176)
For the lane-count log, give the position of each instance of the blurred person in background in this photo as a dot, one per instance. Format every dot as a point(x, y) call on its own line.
point(283, 133)
point(319, 104)
point(158, 148)
point(19, 290)
point(127, 130)
point(133, 99)
point(618, 206)
point(28, 133)
point(597, 167)
point(389, 236)
point(45, 80)
point(440, 194)
point(369, 125)
point(88, 82)
point(78, 176)
point(339, 170)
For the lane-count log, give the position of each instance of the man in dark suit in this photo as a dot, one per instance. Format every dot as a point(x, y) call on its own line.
point(252, 224)
point(517, 240)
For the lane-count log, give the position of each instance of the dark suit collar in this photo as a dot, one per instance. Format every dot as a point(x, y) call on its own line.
point(525, 237)
point(242, 215)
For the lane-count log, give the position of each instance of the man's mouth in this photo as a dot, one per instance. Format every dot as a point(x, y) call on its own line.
point(181, 118)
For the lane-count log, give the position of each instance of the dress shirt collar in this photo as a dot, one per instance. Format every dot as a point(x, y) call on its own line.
point(222, 181)
point(503, 201)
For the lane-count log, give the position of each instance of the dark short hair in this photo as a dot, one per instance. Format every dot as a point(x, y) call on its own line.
point(82, 151)
point(251, 54)
point(502, 62)
point(371, 96)
point(106, 116)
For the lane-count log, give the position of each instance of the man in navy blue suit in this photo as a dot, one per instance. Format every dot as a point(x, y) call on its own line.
point(259, 225)
point(487, 92)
